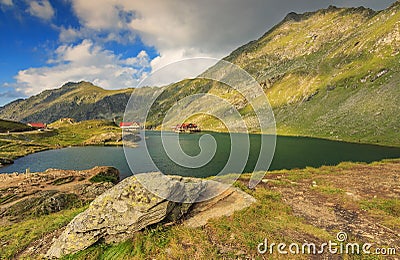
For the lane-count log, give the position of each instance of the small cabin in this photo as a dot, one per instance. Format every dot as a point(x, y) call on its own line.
point(37, 125)
point(129, 125)
point(187, 128)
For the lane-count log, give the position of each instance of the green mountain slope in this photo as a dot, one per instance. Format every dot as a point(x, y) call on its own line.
point(81, 101)
point(334, 73)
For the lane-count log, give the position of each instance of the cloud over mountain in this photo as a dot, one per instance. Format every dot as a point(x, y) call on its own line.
point(175, 29)
point(84, 61)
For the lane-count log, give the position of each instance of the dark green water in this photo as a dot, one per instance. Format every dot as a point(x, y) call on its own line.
point(291, 152)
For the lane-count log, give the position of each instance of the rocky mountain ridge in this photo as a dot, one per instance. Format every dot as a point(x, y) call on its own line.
point(78, 100)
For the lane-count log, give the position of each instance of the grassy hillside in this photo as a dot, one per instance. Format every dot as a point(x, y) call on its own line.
point(62, 133)
point(349, 197)
point(333, 73)
point(80, 101)
point(10, 126)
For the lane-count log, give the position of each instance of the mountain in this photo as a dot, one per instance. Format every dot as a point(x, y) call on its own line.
point(81, 101)
point(333, 73)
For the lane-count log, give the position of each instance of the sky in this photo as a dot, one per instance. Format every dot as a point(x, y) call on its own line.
point(117, 43)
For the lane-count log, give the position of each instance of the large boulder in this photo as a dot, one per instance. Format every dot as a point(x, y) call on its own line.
point(129, 207)
point(126, 208)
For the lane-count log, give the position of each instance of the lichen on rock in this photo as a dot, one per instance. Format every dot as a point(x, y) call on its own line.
point(129, 207)
point(126, 208)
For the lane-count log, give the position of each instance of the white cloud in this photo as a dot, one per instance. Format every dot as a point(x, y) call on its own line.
point(184, 29)
point(41, 9)
point(69, 34)
point(6, 2)
point(84, 61)
point(177, 29)
point(180, 29)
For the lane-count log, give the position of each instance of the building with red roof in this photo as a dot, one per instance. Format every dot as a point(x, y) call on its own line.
point(37, 125)
point(129, 125)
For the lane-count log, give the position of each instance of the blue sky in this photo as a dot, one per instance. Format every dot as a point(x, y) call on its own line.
point(115, 44)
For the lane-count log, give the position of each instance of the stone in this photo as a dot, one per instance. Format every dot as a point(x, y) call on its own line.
point(228, 200)
point(127, 208)
point(51, 191)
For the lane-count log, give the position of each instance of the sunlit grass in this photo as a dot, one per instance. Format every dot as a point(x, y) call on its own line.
point(16, 237)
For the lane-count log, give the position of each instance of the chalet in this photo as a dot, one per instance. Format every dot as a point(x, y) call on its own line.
point(37, 125)
point(129, 125)
point(187, 128)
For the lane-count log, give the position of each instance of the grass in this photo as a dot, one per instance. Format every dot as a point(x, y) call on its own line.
point(60, 134)
point(104, 178)
point(64, 180)
point(16, 237)
point(77, 133)
point(329, 190)
point(236, 236)
point(389, 206)
point(6, 198)
point(6, 125)
point(226, 237)
point(387, 211)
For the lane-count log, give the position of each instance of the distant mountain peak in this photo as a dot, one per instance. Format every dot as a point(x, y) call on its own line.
point(72, 84)
point(332, 8)
point(292, 16)
point(395, 5)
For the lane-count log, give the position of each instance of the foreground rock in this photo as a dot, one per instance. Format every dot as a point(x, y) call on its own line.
point(228, 200)
point(51, 191)
point(128, 207)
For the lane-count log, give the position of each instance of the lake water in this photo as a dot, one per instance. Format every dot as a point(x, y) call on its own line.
point(291, 152)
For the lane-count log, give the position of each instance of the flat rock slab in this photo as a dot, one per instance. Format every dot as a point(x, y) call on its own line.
point(129, 207)
point(228, 200)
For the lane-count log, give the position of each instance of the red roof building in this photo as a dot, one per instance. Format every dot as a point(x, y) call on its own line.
point(122, 124)
point(129, 125)
point(37, 125)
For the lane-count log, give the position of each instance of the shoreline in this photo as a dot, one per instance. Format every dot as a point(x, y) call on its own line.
point(135, 145)
point(56, 148)
point(303, 136)
point(59, 135)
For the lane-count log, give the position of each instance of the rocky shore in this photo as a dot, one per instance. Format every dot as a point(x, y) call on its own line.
point(116, 212)
point(41, 193)
point(48, 214)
